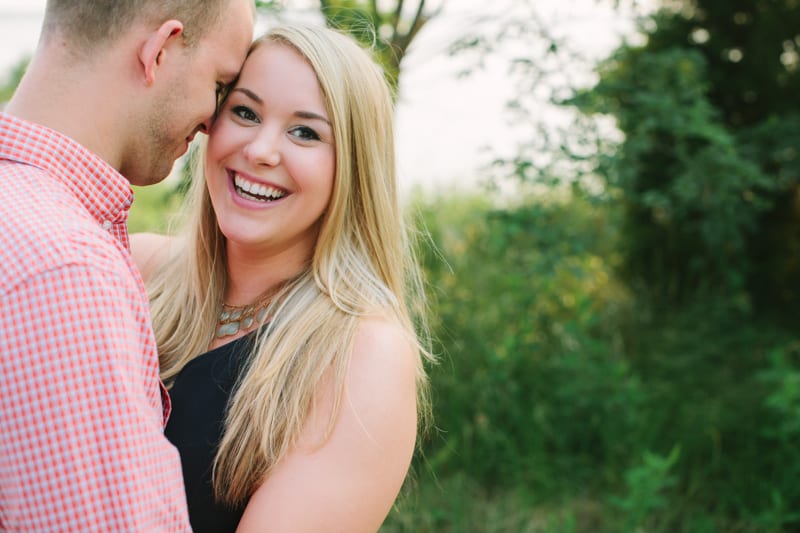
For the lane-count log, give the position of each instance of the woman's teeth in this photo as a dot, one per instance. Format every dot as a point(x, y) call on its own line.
point(256, 191)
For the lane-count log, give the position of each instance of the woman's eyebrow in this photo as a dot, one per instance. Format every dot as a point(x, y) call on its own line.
point(312, 116)
point(248, 93)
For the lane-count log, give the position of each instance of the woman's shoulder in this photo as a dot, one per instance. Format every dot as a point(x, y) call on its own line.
point(383, 348)
point(150, 252)
point(381, 385)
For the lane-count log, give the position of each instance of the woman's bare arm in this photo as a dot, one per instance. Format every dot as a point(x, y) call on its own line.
point(351, 482)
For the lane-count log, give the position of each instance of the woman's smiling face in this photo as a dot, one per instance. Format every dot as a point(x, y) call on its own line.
point(271, 158)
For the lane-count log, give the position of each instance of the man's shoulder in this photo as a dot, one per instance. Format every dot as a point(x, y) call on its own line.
point(26, 189)
point(44, 227)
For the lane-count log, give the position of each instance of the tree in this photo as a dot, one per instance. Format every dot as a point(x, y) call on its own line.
point(709, 172)
point(389, 27)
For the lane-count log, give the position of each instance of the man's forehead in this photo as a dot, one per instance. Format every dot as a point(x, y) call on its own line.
point(239, 13)
point(228, 43)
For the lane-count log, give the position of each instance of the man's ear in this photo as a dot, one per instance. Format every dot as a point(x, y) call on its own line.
point(152, 50)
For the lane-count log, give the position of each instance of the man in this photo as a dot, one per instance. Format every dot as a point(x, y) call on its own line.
point(114, 94)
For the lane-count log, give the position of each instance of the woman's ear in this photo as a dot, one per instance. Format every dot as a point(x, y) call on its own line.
point(154, 48)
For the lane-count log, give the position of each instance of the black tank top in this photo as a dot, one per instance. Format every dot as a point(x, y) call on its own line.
point(200, 396)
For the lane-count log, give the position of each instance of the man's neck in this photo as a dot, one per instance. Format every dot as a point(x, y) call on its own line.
point(72, 98)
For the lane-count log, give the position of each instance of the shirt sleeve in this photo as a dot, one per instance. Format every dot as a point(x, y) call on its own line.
point(82, 445)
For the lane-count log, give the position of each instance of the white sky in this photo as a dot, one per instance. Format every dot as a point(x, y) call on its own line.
point(443, 123)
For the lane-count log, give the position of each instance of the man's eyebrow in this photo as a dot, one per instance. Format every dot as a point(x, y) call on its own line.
point(248, 93)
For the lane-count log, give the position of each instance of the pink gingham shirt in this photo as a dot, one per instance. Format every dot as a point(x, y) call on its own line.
point(81, 412)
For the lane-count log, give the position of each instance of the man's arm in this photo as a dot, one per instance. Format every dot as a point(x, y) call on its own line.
point(82, 446)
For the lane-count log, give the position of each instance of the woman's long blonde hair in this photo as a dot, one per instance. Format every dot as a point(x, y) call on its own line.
point(362, 265)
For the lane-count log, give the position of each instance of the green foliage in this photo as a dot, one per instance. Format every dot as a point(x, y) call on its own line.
point(525, 306)
point(153, 208)
point(750, 48)
point(708, 170)
point(692, 201)
point(774, 250)
point(562, 397)
point(702, 366)
point(12, 78)
point(707, 182)
point(645, 484)
point(782, 378)
point(458, 504)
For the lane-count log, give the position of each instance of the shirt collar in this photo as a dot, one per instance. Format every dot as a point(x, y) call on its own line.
point(105, 193)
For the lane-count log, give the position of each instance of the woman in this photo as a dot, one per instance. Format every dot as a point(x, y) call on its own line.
point(282, 311)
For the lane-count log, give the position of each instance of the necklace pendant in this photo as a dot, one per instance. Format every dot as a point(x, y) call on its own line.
point(235, 319)
point(225, 330)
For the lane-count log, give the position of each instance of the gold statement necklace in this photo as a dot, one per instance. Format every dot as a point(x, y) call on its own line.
point(243, 317)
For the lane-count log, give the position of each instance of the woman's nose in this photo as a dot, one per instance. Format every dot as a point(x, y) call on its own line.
point(264, 149)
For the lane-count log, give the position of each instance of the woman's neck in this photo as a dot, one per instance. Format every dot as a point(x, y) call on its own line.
point(251, 273)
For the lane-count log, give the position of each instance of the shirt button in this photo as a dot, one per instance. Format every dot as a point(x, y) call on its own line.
point(106, 225)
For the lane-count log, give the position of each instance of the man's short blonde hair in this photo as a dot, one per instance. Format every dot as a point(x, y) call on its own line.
point(85, 24)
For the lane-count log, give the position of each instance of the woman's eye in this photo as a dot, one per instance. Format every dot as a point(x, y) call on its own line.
point(305, 133)
point(244, 113)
